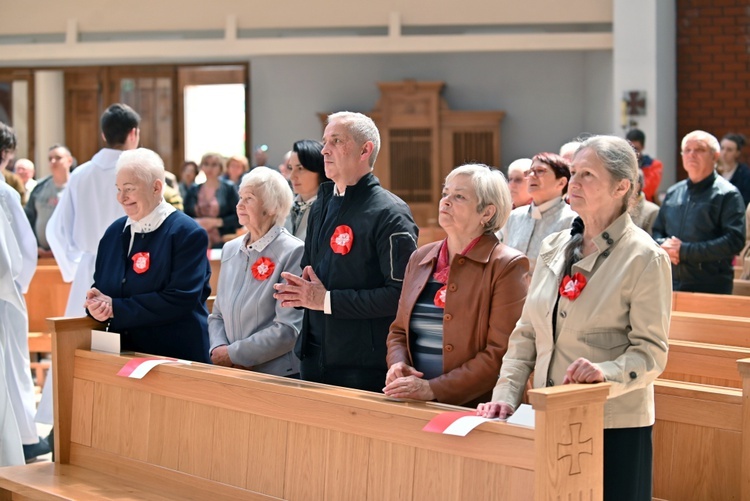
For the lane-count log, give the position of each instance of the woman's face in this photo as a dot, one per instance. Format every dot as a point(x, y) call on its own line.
point(542, 184)
point(592, 190)
point(188, 174)
point(304, 182)
point(137, 197)
point(235, 170)
point(250, 209)
point(519, 191)
point(211, 166)
point(458, 208)
point(730, 153)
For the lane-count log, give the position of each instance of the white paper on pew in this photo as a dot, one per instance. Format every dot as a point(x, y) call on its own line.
point(524, 416)
point(108, 342)
point(463, 425)
point(146, 366)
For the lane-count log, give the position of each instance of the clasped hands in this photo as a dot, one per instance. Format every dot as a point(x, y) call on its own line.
point(98, 304)
point(404, 381)
point(672, 246)
point(306, 291)
point(580, 371)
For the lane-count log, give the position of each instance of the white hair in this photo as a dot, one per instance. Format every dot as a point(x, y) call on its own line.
point(569, 149)
point(701, 135)
point(362, 129)
point(522, 164)
point(272, 190)
point(145, 164)
point(491, 188)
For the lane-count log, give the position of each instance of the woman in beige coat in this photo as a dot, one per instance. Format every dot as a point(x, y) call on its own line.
point(598, 310)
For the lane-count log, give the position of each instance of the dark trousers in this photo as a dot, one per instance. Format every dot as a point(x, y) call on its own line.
point(311, 369)
point(628, 464)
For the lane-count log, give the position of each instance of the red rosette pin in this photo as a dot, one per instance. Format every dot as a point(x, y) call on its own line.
point(571, 287)
point(342, 240)
point(141, 262)
point(440, 297)
point(262, 268)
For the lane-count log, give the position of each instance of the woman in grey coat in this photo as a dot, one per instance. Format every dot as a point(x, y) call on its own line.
point(248, 328)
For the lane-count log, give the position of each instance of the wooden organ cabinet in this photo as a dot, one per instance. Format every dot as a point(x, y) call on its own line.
point(422, 140)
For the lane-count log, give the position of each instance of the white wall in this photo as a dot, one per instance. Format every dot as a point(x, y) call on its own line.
point(548, 98)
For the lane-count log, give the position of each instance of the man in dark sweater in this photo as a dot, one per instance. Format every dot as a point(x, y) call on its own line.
point(359, 239)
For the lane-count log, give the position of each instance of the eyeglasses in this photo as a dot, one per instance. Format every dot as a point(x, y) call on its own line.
point(537, 171)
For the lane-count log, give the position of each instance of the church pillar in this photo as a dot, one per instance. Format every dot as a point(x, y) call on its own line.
point(49, 114)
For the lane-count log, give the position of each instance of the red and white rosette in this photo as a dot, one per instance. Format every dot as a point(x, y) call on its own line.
point(262, 268)
point(571, 287)
point(440, 297)
point(342, 240)
point(141, 262)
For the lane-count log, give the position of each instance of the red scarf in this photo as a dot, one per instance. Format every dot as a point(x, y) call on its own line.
point(442, 267)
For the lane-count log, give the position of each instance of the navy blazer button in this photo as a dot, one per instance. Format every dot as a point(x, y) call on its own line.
point(633, 375)
point(124, 280)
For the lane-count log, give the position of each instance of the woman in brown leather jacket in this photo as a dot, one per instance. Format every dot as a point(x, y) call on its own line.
point(460, 299)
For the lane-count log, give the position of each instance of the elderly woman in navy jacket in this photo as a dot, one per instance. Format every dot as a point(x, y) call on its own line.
point(248, 328)
point(152, 273)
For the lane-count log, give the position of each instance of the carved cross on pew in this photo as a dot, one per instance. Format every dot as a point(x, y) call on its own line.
point(575, 448)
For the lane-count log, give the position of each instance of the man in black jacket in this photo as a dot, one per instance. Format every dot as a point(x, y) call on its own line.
point(359, 239)
point(701, 223)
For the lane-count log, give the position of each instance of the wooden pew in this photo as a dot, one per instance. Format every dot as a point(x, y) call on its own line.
point(710, 329)
point(47, 295)
point(704, 363)
point(205, 432)
point(702, 440)
point(713, 304)
point(741, 287)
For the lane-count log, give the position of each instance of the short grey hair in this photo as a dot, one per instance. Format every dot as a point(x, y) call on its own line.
point(146, 164)
point(522, 164)
point(272, 190)
point(701, 135)
point(618, 157)
point(491, 188)
point(362, 129)
point(569, 148)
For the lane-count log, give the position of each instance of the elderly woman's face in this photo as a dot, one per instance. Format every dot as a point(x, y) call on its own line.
point(458, 207)
point(542, 184)
point(519, 191)
point(250, 210)
point(592, 189)
point(137, 197)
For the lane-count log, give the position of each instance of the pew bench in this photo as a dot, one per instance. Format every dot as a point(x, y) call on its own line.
point(702, 440)
point(704, 363)
point(40, 345)
point(712, 304)
point(710, 329)
point(741, 287)
point(205, 432)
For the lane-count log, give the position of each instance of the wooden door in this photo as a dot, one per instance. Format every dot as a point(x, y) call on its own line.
point(83, 109)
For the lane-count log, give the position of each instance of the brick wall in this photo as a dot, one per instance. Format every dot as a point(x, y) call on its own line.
point(713, 68)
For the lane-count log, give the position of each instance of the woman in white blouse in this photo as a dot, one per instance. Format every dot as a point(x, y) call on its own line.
point(248, 328)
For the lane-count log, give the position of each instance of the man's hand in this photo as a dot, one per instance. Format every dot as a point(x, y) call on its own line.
point(400, 369)
point(672, 246)
point(409, 387)
point(306, 291)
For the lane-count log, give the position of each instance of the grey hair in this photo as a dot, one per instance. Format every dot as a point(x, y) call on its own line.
point(522, 164)
point(569, 148)
point(146, 165)
point(272, 190)
point(620, 160)
point(701, 135)
point(362, 129)
point(491, 188)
